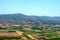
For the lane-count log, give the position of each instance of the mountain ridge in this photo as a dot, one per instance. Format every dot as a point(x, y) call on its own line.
point(20, 17)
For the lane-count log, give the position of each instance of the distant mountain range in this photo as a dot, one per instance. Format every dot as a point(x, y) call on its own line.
point(20, 17)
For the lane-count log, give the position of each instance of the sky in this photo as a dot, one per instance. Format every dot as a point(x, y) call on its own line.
point(31, 7)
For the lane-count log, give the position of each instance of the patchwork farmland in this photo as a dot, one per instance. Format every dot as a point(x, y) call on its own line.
point(34, 33)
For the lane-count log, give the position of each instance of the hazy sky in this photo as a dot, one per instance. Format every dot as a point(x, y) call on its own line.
point(31, 7)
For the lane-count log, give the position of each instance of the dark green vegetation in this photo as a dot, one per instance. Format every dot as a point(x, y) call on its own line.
point(9, 38)
point(54, 39)
point(37, 28)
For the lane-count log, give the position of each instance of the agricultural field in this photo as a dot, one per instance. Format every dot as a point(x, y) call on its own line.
point(35, 33)
point(8, 35)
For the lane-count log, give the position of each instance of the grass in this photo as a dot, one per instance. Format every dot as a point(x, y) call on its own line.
point(4, 37)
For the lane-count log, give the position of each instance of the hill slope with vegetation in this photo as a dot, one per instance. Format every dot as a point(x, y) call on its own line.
point(20, 17)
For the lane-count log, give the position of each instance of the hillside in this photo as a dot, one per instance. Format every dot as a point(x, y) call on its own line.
point(21, 17)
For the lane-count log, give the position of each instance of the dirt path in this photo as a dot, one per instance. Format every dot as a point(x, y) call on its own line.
point(31, 37)
point(21, 35)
